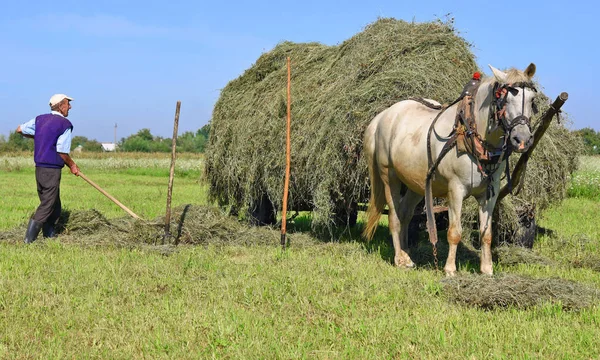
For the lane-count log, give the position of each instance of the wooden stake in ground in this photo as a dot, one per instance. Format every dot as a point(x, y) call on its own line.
point(172, 171)
point(109, 196)
point(288, 157)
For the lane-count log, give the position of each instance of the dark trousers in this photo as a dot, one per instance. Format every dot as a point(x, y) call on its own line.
point(48, 188)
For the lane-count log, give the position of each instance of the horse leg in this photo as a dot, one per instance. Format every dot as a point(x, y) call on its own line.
point(393, 197)
point(405, 213)
point(486, 209)
point(455, 199)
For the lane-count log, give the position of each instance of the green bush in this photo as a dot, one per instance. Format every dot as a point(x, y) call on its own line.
point(591, 140)
point(16, 142)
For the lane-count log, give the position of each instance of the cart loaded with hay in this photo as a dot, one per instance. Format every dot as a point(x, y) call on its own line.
point(336, 92)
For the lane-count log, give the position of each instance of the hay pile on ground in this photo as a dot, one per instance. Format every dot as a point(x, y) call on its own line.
point(507, 290)
point(336, 91)
point(588, 261)
point(194, 225)
point(515, 255)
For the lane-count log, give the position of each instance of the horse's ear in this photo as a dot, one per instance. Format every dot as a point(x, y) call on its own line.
point(530, 71)
point(498, 74)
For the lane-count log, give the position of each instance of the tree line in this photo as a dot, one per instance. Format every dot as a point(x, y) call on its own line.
point(195, 142)
point(591, 140)
point(142, 141)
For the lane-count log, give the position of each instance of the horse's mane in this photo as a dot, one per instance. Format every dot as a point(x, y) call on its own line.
point(516, 76)
point(513, 76)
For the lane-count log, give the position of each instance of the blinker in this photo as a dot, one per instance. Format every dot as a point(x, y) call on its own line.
point(512, 90)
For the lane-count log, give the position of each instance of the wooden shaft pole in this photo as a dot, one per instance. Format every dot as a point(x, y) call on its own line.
point(108, 196)
point(172, 170)
point(288, 157)
point(545, 121)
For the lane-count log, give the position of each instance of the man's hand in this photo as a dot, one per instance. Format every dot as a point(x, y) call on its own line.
point(74, 169)
point(19, 131)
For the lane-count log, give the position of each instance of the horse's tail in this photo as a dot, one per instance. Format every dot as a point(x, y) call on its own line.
point(376, 205)
point(377, 201)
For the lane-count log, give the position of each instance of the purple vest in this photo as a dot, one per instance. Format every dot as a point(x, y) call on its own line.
point(48, 128)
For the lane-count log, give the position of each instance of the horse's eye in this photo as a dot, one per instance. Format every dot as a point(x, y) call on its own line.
point(534, 107)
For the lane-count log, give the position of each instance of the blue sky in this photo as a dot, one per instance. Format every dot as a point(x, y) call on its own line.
point(128, 62)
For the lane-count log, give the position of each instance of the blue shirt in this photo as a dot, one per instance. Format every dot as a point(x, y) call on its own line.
point(63, 144)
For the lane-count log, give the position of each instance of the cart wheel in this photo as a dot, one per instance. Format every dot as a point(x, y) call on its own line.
point(263, 213)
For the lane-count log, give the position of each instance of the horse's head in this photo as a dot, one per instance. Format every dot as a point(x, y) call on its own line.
point(513, 99)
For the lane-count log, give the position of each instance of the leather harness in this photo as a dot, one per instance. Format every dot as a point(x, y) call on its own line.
point(465, 137)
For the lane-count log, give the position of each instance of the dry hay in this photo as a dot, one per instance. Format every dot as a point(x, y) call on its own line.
point(509, 290)
point(336, 91)
point(515, 255)
point(588, 261)
point(193, 225)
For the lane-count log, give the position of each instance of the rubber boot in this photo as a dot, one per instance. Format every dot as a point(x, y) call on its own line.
point(49, 230)
point(33, 229)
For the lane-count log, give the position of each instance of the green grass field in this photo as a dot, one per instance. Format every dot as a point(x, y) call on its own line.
point(325, 301)
point(139, 182)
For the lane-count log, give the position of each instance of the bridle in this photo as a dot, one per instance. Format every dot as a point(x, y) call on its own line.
point(499, 105)
point(498, 112)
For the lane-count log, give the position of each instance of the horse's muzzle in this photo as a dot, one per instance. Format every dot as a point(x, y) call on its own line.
point(521, 138)
point(521, 146)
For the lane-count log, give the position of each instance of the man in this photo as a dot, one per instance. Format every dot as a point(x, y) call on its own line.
point(52, 143)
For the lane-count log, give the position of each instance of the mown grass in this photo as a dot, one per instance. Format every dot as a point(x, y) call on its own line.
point(140, 184)
point(331, 300)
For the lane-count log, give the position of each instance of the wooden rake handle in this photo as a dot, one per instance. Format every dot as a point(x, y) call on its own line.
point(109, 196)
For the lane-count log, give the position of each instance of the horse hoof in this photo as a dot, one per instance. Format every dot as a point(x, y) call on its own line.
point(404, 261)
point(487, 271)
point(450, 273)
point(405, 265)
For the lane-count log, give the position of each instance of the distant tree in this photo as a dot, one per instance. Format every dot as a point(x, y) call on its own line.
point(591, 140)
point(145, 134)
point(144, 141)
point(78, 140)
point(93, 146)
point(185, 142)
point(201, 138)
point(139, 142)
point(191, 142)
point(3, 144)
point(204, 131)
point(87, 144)
point(160, 144)
point(17, 142)
point(136, 144)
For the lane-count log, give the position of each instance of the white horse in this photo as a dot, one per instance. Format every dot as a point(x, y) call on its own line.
point(395, 147)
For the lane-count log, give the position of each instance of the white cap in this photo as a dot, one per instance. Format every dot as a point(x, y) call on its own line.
point(56, 98)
